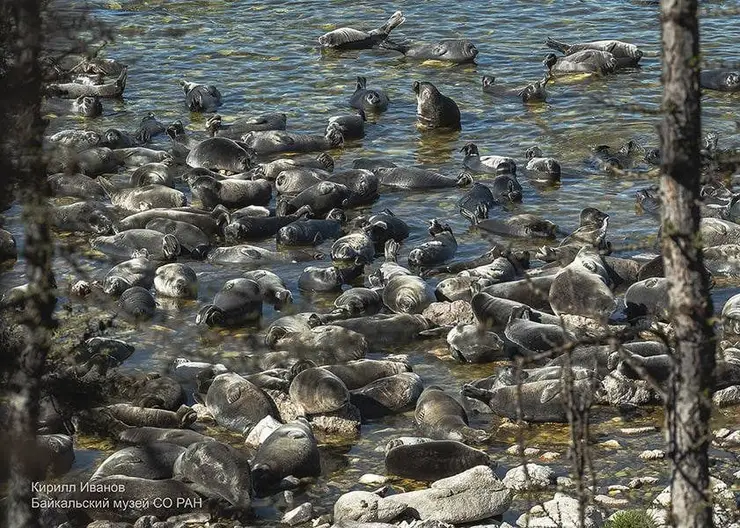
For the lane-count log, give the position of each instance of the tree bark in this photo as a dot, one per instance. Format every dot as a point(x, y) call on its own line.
point(689, 403)
point(23, 161)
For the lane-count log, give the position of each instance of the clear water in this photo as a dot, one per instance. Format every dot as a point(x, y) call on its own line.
point(264, 57)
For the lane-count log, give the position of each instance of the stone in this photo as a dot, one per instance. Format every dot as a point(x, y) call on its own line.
point(652, 454)
point(639, 482)
point(633, 431)
point(371, 479)
point(727, 397)
point(550, 456)
point(565, 510)
point(343, 424)
point(610, 502)
point(610, 444)
point(535, 477)
point(449, 313)
point(620, 390)
point(299, 515)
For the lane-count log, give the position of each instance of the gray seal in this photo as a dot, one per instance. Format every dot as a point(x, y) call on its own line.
point(433, 460)
point(350, 38)
point(237, 404)
point(138, 271)
point(83, 217)
point(721, 80)
point(434, 110)
point(87, 106)
point(383, 330)
point(521, 225)
point(230, 193)
point(440, 248)
point(77, 185)
point(176, 280)
point(648, 297)
point(439, 416)
point(238, 302)
point(583, 288)
point(240, 126)
point(221, 154)
point(371, 101)
point(155, 461)
point(356, 374)
point(151, 435)
point(124, 244)
point(357, 249)
point(407, 294)
point(311, 232)
point(201, 98)
point(318, 391)
point(290, 450)
point(218, 471)
point(389, 395)
point(472, 160)
point(457, 51)
point(142, 198)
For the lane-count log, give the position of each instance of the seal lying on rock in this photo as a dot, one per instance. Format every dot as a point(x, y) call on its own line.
point(440, 416)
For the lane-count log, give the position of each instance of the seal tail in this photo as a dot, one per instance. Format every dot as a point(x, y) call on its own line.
point(393, 22)
point(557, 45)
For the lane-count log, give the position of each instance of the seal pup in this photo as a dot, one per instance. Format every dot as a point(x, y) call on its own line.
point(434, 110)
point(368, 100)
point(350, 38)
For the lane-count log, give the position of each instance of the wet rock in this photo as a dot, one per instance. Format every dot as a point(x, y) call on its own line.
point(371, 479)
point(724, 510)
point(610, 502)
point(549, 456)
point(634, 431)
point(727, 397)
point(652, 454)
point(610, 444)
point(261, 431)
point(342, 424)
point(449, 313)
point(299, 515)
point(563, 508)
point(639, 482)
point(620, 390)
point(516, 450)
point(535, 477)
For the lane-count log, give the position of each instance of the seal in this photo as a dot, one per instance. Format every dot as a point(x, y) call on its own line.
point(648, 297)
point(191, 238)
point(137, 302)
point(407, 294)
point(238, 302)
point(535, 92)
point(531, 338)
point(221, 154)
point(545, 169)
point(439, 416)
point(271, 286)
point(350, 38)
point(237, 404)
point(210, 222)
point(345, 344)
point(433, 460)
point(136, 156)
point(389, 395)
point(88, 106)
point(149, 127)
point(383, 330)
point(317, 391)
point(591, 230)
point(118, 139)
point(134, 416)
point(138, 271)
point(311, 232)
point(176, 280)
point(584, 61)
point(290, 450)
point(722, 80)
point(318, 279)
point(201, 98)
point(83, 217)
point(454, 289)
point(246, 254)
point(230, 193)
point(384, 226)
point(371, 101)
point(625, 54)
point(142, 198)
point(218, 471)
point(123, 245)
point(476, 202)
point(296, 180)
point(413, 178)
point(583, 288)
point(521, 225)
point(278, 141)
point(443, 246)
point(242, 125)
point(531, 291)
point(90, 162)
point(356, 249)
point(73, 90)
point(493, 312)
point(355, 302)
point(456, 267)
point(356, 374)
point(457, 51)
point(362, 184)
point(77, 185)
point(153, 435)
point(322, 161)
point(434, 110)
point(717, 232)
point(321, 198)
point(473, 161)
point(541, 401)
point(155, 461)
point(243, 228)
point(77, 139)
point(351, 126)
point(472, 343)
point(162, 173)
point(390, 268)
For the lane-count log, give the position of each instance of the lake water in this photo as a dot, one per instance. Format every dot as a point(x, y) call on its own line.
point(264, 57)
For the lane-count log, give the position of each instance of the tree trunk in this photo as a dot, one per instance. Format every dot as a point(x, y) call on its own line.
point(23, 161)
point(690, 394)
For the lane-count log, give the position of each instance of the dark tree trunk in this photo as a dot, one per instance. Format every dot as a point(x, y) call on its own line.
point(23, 161)
point(689, 403)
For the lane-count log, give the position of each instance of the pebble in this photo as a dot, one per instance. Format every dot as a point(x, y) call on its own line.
point(617, 488)
point(639, 482)
point(528, 451)
point(565, 482)
point(550, 456)
point(610, 444)
point(371, 479)
point(301, 514)
point(638, 430)
point(610, 502)
point(652, 454)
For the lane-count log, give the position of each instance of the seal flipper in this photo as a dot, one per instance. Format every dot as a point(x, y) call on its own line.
point(395, 46)
point(393, 22)
point(557, 45)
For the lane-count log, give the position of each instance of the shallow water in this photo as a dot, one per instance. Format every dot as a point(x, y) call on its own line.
point(264, 57)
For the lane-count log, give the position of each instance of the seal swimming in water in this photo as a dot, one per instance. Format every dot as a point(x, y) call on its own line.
point(434, 110)
point(476, 202)
point(290, 450)
point(350, 38)
point(201, 98)
point(368, 100)
point(239, 301)
point(230, 193)
point(433, 460)
point(351, 126)
point(237, 404)
point(415, 178)
point(176, 280)
point(88, 106)
point(240, 126)
point(549, 168)
point(626, 54)
point(722, 80)
point(443, 246)
point(487, 164)
point(535, 92)
point(439, 416)
point(457, 51)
